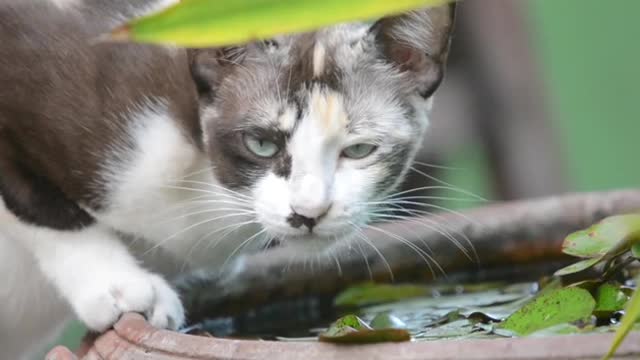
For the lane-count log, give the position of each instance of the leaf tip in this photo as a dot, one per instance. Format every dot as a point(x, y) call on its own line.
point(119, 34)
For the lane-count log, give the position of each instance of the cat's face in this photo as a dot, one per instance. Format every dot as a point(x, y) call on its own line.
point(319, 128)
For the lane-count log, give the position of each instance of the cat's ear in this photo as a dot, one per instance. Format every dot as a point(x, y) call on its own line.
point(418, 42)
point(210, 66)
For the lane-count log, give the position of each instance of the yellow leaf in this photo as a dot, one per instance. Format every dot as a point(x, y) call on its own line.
point(631, 315)
point(208, 23)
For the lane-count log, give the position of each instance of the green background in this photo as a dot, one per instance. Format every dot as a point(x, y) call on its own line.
point(589, 51)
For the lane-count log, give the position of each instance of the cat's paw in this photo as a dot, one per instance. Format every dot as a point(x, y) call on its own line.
point(100, 304)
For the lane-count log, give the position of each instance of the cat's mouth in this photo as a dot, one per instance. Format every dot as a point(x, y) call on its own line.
point(308, 241)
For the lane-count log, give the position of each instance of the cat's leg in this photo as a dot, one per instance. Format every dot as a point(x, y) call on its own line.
point(32, 315)
point(95, 273)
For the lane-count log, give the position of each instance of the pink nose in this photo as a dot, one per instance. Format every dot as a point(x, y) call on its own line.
point(311, 212)
point(310, 197)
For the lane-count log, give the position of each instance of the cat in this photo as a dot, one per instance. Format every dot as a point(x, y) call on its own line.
point(123, 164)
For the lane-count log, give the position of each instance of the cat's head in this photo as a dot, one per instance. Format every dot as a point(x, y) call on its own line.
point(318, 127)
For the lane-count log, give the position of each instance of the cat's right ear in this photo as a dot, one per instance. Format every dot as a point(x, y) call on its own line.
point(417, 42)
point(209, 67)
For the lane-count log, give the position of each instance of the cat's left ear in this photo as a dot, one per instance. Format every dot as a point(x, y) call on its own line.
point(418, 42)
point(209, 67)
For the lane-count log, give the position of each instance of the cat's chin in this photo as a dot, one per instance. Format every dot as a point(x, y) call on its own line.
point(312, 244)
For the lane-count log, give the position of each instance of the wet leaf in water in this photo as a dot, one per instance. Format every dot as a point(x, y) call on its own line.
point(297, 339)
point(561, 329)
point(370, 293)
point(487, 298)
point(610, 298)
point(579, 266)
point(453, 329)
point(551, 308)
point(631, 316)
point(493, 329)
point(353, 330)
point(589, 285)
point(346, 324)
point(611, 236)
point(495, 312)
point(387, 321)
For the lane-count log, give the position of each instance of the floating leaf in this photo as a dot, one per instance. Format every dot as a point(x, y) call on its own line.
point(346, 324)
point(579, 266)
point(493, 329)
point(495, 312)
point(204, 23)
point(561, 329)
point(370, 293)
point(445, 304)
point(387, 321)
point(353, 330)
point(610, 298)
point(589, 285)
point(551, 308)
point(632, 314)
point(611, 236)
point(453, 329)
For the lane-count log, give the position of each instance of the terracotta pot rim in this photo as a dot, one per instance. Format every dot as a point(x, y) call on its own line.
point(133, 338)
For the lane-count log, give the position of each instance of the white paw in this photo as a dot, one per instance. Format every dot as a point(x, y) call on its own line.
point(100, 304)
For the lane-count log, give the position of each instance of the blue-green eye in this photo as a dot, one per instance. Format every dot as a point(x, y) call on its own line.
point(260, 147)
point(359, 151)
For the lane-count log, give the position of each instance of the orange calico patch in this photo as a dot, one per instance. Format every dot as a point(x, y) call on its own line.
point(328, 111)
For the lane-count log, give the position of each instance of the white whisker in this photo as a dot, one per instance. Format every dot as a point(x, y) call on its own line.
point(442, 182)
point(435, 187)
point(434, 166)
point(239, 247)
point(362, 236)
point(423, 254)
point(192, 227)
point(219, 187)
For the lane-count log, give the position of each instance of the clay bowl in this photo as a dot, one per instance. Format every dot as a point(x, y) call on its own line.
point(534, 228)
point(133, 339)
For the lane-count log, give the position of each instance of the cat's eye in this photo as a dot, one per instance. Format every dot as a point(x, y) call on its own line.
point(260, 147)
point(358, 151)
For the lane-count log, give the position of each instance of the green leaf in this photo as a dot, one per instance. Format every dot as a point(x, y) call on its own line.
point(579, 266)
point(589, 285)
point(561, 329)
point(610, 298)
point(635, 251)
point(205, 23)
point(495, 312)
point(387, 321)
point(611, 236)
point(632, 314)
point(453, 329)
point(345, 325)
point(551, 308)
point(370, 293)
point(352, 330)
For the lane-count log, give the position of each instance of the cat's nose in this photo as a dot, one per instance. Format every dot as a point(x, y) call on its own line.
point(310, 199)
point(308, 217)
point(296, 220)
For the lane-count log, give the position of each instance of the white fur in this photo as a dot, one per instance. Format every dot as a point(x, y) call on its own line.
point(320, 180)
point(30, 307)
point(319, 59)
point(164, 198)
point(66, 4)
point(165, 188)
point(93, 270)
